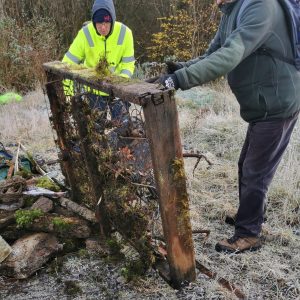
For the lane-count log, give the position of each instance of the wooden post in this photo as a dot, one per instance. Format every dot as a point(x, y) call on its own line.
point(59, 125)
point(162, 130)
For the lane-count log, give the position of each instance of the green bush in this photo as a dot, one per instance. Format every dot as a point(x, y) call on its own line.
point(186, 33)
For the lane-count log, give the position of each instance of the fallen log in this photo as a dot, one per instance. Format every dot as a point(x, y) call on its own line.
point(61, 226)
point(11, 190)
point(82, 211)
point(29, 254)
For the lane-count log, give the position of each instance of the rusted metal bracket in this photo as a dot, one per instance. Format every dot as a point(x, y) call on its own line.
point(156, 99)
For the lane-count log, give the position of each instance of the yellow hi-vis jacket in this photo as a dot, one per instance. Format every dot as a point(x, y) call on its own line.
point(89, 47)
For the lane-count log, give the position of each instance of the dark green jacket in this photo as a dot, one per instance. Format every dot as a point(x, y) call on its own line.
point(265, 87)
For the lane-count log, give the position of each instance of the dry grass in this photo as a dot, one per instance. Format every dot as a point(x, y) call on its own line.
point(274, 271)
point(27, 122)
point(217, 131)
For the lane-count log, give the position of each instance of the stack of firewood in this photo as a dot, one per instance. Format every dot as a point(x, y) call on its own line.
point(36, 223)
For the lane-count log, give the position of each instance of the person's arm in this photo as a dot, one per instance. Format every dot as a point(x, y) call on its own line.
point(254, 28)
point(127, 63)
point(75, 54)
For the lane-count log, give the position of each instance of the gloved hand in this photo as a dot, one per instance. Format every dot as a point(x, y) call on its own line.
point(169, 81)
point(172, 67)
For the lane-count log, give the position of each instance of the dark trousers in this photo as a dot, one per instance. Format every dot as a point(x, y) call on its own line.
point(262, 151)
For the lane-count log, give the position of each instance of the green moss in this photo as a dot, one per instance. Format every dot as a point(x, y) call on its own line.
point(29, 200)
point(60, 224)
point(102, 67)
point(114, 249)
point(133, 270)
point(178, 169)
point(25, 217)
point(182, 203)
point(114, 246)
point(24, 174)
point(83, 253)
point(46, 183)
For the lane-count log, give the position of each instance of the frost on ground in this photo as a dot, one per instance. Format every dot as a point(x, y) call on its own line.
point(210, 124)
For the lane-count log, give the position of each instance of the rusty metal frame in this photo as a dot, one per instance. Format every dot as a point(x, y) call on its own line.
point(162, 128)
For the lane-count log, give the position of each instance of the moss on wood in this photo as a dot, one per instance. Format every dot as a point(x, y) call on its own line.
point(24, 218)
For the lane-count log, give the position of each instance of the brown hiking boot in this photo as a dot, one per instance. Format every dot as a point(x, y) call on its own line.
point(238, 244)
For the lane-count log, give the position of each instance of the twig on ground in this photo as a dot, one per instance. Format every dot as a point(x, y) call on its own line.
point(199, 156)
point(84, 212)
point(17, 158)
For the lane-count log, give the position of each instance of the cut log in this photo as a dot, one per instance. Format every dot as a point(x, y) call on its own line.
point(44, 204)
point(62, 226)
point(29, 254)
point(78, 209)
point(58, 210)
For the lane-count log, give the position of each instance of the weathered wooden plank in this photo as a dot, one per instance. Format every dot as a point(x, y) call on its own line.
point(59, 126)
point(95, 176)
point(116, 86)
point(162, 129)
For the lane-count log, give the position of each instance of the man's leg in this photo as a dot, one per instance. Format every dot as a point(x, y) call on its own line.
point(264, 146)
point(262, 151)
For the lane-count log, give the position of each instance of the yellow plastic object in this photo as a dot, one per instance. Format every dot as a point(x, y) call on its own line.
point(10, 97)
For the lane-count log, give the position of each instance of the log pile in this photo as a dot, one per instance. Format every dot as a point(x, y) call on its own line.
point(38, 222)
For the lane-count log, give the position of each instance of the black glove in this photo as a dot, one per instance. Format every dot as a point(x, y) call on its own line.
point(172, 67)
point(169, 81)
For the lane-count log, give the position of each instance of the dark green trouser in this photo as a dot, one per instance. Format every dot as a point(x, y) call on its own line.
point(262, 151)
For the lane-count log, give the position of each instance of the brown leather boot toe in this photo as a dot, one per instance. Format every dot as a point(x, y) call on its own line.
point(238, 244)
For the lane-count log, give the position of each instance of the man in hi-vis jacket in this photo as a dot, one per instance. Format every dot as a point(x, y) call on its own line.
point(104, 39)
point(253, 47)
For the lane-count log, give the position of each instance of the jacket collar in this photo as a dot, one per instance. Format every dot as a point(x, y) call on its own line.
point(227, 6)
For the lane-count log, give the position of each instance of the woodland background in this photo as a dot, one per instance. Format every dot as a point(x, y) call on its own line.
point(37, 31)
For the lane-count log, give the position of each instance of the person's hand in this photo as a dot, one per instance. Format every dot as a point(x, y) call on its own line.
point(172, 67)
point(169, 81)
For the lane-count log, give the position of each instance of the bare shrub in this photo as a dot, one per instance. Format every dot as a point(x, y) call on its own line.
point(66, 17)
point(23, 50)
